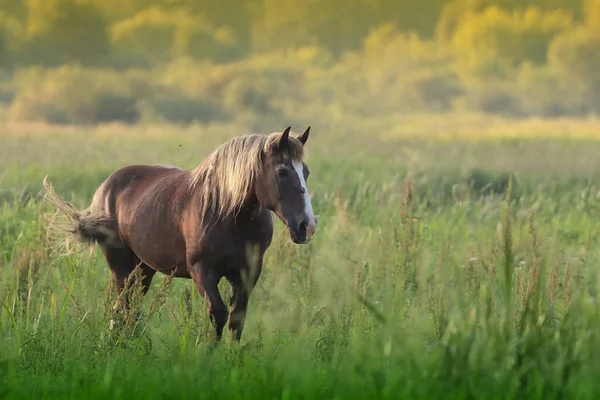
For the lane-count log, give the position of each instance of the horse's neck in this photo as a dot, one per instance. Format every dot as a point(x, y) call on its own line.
point(250, 207)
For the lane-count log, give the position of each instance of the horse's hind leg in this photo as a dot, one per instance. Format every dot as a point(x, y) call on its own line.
point(122, 262)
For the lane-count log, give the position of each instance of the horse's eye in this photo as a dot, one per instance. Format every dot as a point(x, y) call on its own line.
point(283, 173)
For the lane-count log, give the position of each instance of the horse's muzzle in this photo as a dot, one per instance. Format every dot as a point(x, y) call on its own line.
point(304, 231)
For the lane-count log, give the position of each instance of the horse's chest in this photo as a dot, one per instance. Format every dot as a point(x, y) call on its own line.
point(234, 249)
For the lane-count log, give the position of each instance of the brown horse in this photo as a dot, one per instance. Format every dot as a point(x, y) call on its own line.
point(200, 224)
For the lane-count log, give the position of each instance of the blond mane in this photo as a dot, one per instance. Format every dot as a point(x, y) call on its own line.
point(225, 178)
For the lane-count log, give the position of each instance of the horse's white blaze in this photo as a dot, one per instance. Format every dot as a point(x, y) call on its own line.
point(308, 210)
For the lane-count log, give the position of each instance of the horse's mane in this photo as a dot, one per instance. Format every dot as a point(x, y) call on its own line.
point(226, 176)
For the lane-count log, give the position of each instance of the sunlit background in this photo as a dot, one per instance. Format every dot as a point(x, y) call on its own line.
point(183, 61)
point(455, 170)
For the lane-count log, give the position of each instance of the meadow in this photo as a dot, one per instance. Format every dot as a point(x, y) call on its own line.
point(456, 257)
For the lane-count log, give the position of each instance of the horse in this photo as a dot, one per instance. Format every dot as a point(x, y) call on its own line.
point(199, 224)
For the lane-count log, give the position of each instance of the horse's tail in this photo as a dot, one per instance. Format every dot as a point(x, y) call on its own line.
point(83, 226)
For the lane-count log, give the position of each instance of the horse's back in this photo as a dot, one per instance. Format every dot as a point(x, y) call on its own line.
point(132, 182)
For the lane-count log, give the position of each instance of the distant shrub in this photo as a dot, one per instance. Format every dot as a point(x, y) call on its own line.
point(487, 182)
point(6, 87)
point(63, 32)
point(185, 75)
point(10, 29)
point(403, 72)
point(575, 57)
point(451, 15)
point(182, 109)
point(263, 88)
point(495, 42)
point(387, 44)
point(592, 12)
point(259, 86)
point(156, 36)
point(75, 95)
point(434, 89)
point(247, 95)
point(543, 93)
point(149, 35)
point(493, 97)
point(4, 52)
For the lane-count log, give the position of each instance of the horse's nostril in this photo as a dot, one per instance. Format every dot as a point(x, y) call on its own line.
point(303, 226)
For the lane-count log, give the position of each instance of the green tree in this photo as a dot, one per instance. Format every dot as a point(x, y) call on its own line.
point(231, 21)
point(116, 10)
point(495, 42)
point(575, 55)
point(10, 28)
point(337, 25)
point(340, 25)
point(64, 31)
point(592, 12)
point(13, 8)
point(454, 11)
point(156, 36)
point(451, 14)
point(420, 17)
point(281, 24)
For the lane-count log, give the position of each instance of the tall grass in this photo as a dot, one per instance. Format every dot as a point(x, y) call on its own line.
point(422, 281)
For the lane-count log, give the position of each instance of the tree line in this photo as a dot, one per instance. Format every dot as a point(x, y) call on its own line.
point(183, 60)
point(127, 33)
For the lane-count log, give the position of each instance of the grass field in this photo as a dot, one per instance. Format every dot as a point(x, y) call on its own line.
point(454, 259)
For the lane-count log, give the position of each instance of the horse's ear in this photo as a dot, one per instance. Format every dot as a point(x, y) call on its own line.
point(304, 137)
point(283, 141)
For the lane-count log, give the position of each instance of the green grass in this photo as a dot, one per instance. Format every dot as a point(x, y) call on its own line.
point(450, 269)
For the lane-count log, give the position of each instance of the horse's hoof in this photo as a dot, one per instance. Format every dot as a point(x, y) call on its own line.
point(138, 316)
point(112, 324)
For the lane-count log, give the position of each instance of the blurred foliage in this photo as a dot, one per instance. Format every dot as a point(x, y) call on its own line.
point(75, 95)
point(208, 60)
point(63, 31)
point(576, 57)
point(494, 42)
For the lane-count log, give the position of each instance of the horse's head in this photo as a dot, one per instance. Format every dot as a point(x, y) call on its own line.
point(282, 188)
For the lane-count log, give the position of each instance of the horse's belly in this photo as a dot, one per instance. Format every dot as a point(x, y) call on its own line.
point(166, 265)
point(178, 271)
point(165, 254)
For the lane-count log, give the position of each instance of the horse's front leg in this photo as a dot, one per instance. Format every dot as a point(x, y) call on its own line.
point(207, 281)
point(242, 284)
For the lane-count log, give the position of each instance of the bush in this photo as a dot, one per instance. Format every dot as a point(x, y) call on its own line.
point(182, 109)
point(493, 97)
point(247, 95)
point(543, 93)
point(260, 86)
point(495, 42)
point(403, 72)
point(156, 36)
point(188, 76)
point(575, 57)
point(592, 13)
point(64, 31)
point(69, 95)
point(10, 29)
point(4, 52)
point(263, 86)
point(148, 36)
